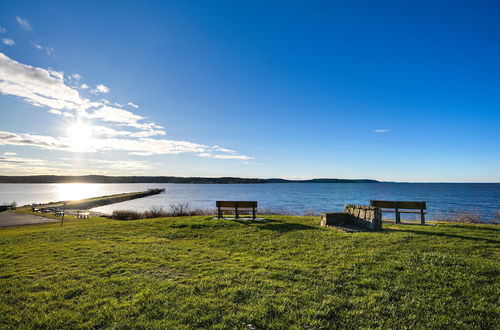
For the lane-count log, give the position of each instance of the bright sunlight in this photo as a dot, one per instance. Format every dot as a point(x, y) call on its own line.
point(80, 135)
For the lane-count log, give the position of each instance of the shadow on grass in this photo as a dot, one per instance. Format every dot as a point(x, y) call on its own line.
point(440, 234)
point(276, 225)
point(474, 227)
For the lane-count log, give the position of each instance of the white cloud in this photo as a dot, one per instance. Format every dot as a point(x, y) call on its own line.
point(140, 146)
point(24, 23)
point(38, 86)
point(16, 165)
point(61, 113)
point(55, 112)
point(110, 132)
point(133, 105)
point(9, 153)
point(107, 113)
point(221, 149)
point(100, 89)
point(48, 50)
point(47, 88)
point(8, 42)
point(381, 131)
point(84, 86)
point(218, 156)
point(38, 141)
point(2, 29)
point(76, 76)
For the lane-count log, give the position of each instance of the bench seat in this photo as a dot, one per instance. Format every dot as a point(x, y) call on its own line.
point(399, 207)
point(236, 206)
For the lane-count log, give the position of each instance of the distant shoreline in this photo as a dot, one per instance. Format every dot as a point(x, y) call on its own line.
point(187, 180)
point(162, 179)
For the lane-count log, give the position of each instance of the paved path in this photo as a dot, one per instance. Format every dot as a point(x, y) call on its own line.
point(16, 219)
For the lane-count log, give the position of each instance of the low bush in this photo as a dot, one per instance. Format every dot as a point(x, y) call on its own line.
point(156, 212)
point(463, 216)
point(176, 210)
point(126, 215)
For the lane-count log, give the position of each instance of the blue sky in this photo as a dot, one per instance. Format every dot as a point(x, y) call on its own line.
point(389, 90)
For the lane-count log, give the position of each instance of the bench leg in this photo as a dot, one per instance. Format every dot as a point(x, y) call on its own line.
point(253, 213)
point(422, 217)
point(218, 213)
point(398, 216)
point(236, 215)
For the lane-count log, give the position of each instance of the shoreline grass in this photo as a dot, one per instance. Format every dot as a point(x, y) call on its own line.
point(282, 272)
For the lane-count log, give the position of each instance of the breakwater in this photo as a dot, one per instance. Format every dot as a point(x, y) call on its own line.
point(89, 203)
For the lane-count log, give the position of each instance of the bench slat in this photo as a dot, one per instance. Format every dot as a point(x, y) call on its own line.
point(392, 211)
point(399, 205)
point(239, 204)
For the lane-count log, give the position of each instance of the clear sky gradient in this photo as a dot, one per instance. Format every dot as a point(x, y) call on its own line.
point(387, 90)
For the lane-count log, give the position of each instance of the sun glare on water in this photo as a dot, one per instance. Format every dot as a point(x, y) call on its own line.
point(80, 135)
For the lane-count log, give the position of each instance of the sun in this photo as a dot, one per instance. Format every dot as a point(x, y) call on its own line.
point(79, 136)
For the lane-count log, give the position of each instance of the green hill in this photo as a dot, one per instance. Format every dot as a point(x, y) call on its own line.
point(279, 273)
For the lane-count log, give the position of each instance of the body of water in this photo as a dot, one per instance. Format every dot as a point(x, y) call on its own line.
point(441, 198)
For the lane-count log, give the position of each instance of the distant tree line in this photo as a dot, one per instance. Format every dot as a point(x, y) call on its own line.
point(158, 179)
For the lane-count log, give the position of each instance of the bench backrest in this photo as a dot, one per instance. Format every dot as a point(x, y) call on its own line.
point(234, 204)
point(399, 205)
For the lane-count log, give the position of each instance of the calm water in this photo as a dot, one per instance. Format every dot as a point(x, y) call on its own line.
point(441, 198)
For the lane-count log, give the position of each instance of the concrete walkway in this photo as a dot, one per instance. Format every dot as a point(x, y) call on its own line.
point(17, 219)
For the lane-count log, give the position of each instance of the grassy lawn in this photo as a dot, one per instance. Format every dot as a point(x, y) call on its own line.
point(284, 272)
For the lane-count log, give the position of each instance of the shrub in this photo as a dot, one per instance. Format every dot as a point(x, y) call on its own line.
point(156, 212)
point(311, 213)
point(179, 210)
point(269, 211)
point(464, 216)
point(126, 215)
point(176, 210)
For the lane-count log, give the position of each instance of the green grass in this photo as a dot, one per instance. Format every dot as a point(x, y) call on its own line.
point(284, 272)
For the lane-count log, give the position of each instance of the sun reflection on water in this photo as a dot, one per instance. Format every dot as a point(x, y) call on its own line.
point(74, 191)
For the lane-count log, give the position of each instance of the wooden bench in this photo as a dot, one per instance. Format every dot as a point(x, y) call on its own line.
point(398, 205)
point(236, 206)
point(59, 212)
point(82, 214)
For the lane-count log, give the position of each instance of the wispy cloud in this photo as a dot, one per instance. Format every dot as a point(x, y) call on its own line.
point(48, 50)
point(133, 105)
point(141, 146)
point(24, 23)
point(381, 130)
point(38, 86)
point(9, 153)
point(3, 30)
point(61, 113)
point(8, 42)
point(219, 156)
point(47, 88)
point(84, 86)
point(129, 131)
point(16, 165)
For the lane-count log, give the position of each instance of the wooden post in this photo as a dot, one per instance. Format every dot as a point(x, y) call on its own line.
point(64, 212)
point(422, 217)
point(398, 215)
point(253, 212)
point(218, 213)
point(236, 215)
